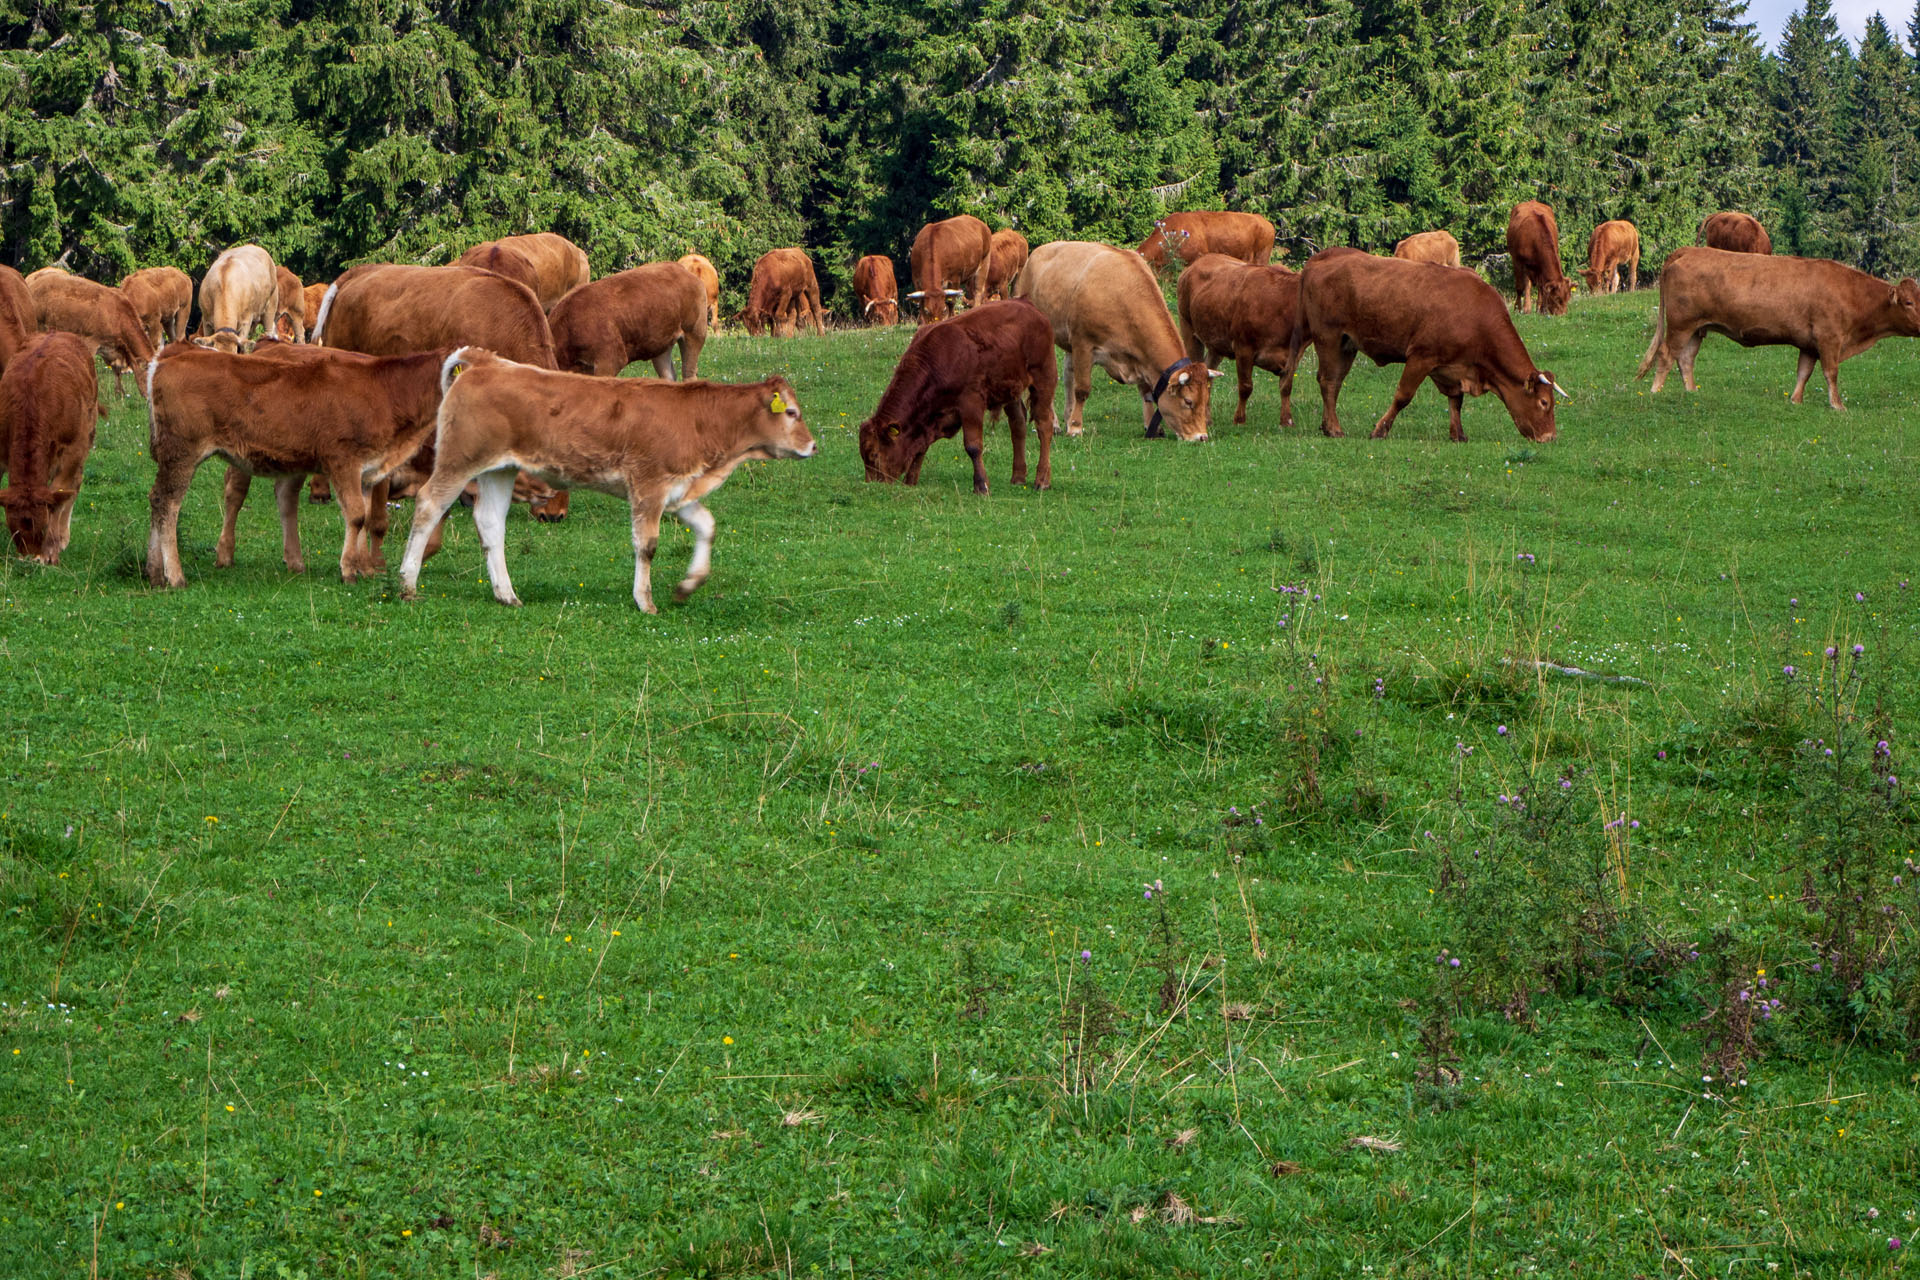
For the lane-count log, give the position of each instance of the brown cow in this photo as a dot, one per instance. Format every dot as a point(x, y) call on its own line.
point(1106, 307)
point(955, 251)
point(1829, 311)
point(1430, 246)
point(49, 399)
point(784, 289)
point(355, 420)
point(19, 315)
point(1228, 308)
point(603, 326)
point(1736, 233)
point(290, 318)
point(1533, 241)
point(875, 289)
point(951, 377)
point(662, 445)
point(1442, 323)
point(50, 270)
point(1008, 254)
point(558, 263)
point(710, 281)
point(311, 297)
point(1614, 245)
point(1181, 238)
point(99, 313)
point(161, 297)
point(241, 289)
point(504, 260)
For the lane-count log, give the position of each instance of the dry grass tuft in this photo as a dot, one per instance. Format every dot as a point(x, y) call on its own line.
point(1285, 1168)
point(1182, 1139)
point(1238, 1011)
point(726, 1135)
point(1366, 1143)
point(191, 1015)
point(793, 1119)
point(491, 1237)
point(571, 1261)
point(1033, 1249)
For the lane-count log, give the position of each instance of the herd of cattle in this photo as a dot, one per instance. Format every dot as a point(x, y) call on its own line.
point(498, 375)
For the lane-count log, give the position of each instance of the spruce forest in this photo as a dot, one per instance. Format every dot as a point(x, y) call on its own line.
point(137, 133)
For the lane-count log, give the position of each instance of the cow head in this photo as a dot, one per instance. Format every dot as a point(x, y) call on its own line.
point(1592, 276)
point(30, 521)
point(755, 321)
point(883, 310)
point(1183, 400)
point(888, 448)
point(1532, 405)
point(782, 432)
point(224, 340)
point(1555, 295)
point(1906, 307)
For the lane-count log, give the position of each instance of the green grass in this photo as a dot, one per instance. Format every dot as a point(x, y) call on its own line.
point(740, 940)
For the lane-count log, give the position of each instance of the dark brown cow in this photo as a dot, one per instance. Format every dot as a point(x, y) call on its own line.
point(951, 377)
point(1228, 308)
point(661, 445)
point(1614, 245)
point(1829, 311)
point(49, 399)
point(240, 290)
point(19, 316)
point(784, 289)
point(639, 314)
point(290, 319)
point(1441, 322)
point(1430, 246)
point(558, 263)
point(1736, 233)
point(1008, 254)
point(1181, 238)
point(355, 420)
point(162, 297)
point(875, 289)
point(1533, 240)
point(709, 279)
point(99, 313)
point(956, 251)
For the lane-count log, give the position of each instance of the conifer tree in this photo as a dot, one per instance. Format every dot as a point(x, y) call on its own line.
point(1810, 85)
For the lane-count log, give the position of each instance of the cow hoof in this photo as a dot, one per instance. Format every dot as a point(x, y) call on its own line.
point(1378, 433)
point(320, 500)
point(544, 518)
point(296, 567)
point(980, 488)
point(1076, 431)
point(1239, 419)
point(512, 602)
point(649, 607)
point(686, 588)
point(409, 594)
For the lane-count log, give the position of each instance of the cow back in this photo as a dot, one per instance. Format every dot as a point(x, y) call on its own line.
point(19, 316)
point(643, 311)
point(385, 309)
point(99, 313)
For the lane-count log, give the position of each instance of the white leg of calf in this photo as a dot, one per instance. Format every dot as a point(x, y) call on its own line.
point(490, 519)
point(700, 520)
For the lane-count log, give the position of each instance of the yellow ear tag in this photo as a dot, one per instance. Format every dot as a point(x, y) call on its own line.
point(778, 405)
point(457, 371)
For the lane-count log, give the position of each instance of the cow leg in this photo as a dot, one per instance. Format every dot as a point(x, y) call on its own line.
point(1017, 433)
point(700, 521)
point(1333, 359)
point(490, 519)
point(1243, 375)
point(1633, 274)
point(1456, 431)
point(352, 493)
point(1082, 358)
point(379, 521)
point(318, 490)
point(1807, 361)
point(1287, 366)
point(429, 509)
point(1410, 379)
point(663, 364)
point(1688, 350)
point(170, 483)
point(59, 528)
point(690, 344)
point(1830, 365)
point(646, 541)
point(912, 474)
point(286, 498)
point(1040, 410)
point(232, 496)
point(973, 423)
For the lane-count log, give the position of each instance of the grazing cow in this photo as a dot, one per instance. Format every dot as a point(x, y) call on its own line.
point(1228, 308)
point(603, 326)
point(19, 315)
point(784, 290)
point(663, 445)
point(241, 289)
point(50, 270)
point(1430, 246)
point(1007, 255)
point(1614, 245)
point(355, 420)
point(49, 400)
point(1736, 233)
point(951, 377)
point(310, 298)
point(1180, 238)
point(876, 290)
point(504, 260)
point(1829, 311)
point(956, 251)
point(161, 297)
point(1442, 323)
point(290, 318)
point(710, 281)
point(558, 263)
point(1106, 308)
point(98, 313)
point(1533, 241)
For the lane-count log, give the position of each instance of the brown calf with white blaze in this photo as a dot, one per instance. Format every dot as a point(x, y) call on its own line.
point(1429, 246)
point(557, 263)
point(661, 445)
point(784, 289)
point(99, 314)
point(875, 288)
point(951, 377)
point(1828, 310)
point(161, 297)
point(639, 314)
point(241, 289)
point(1106, 308)
point(1007, 255)
point(1533, 242)
point(1182, 238)
point(1441, 322)
point(1228, 308)
point(954, 251)
point(1735, 232)
point(355, 420)
point(709, 279)
point(49, 399)
point(1614, 245)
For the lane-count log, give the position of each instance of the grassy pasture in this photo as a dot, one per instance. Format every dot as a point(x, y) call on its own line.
point(341, 937)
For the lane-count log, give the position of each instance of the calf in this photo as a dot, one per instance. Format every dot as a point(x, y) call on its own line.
point(1829, 311)
point(876, 290)
point(161, 297)
point(1007, 254)
point(639, 314)
point(290, 318)
point(709, 279)
point(663, 445)
point(1614, 245)
point(784, 289)
point(1533, 241)
point(1228, 308)
point(355, 420)
point(953, 251)
point(98, 313)
point(1181, 238)
point(951, 377)
point(49, 400)
point(240, 290)
point(1430, 246)
point(1735, 232)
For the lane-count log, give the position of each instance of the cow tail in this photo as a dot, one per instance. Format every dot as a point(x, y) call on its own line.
point(1658, 347)
point(315, 334)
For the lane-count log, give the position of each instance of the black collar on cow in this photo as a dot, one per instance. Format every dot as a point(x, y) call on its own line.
point(1160, 389)
point(227, 328)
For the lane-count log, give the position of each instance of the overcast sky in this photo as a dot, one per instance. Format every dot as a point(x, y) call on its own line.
point(1771, 17)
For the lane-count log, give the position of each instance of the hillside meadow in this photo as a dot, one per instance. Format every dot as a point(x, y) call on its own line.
point(1054, 884)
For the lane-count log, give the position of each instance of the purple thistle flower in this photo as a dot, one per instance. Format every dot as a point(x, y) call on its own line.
point(1635, 824)
point(1566, 784)
point(1892, 781)
point(1859, 649)
point(1454, 963)
point(1787, 671)
point(1859, 597)
point(1660, 755)
point(1832, 652)
point(1086, 957)
point(1502, 731)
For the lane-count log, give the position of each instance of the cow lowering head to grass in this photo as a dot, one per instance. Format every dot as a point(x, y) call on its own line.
point(241, 290)
point(49, 400)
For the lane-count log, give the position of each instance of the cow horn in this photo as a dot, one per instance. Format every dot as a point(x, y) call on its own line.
point(918, 293)
point(956, 293)
point(1559, 390)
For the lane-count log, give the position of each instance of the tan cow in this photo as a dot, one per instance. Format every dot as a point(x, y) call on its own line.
point(1614, 245)
point(241, 289)
point(640, 314)
point(1735, 232)
point(50, 270)
point(1005, 258)
point(290, 318)
point(1533, 241)
point(1430, 246)
point(49, 399)
point(1180, 238)
point(1228, 308)
point(1106, 308)
point(162, 297)
point(19, 315)
point(558, 263)
point(311, 297)
point(355, 420)
point(1828, 310)
point(661, 445)
point(949, 253)
point(710, 280)
point(98, 313)
point(784, 289)
point(875, 289)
